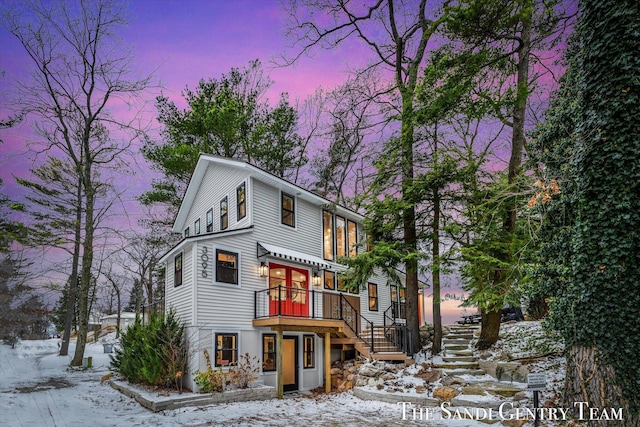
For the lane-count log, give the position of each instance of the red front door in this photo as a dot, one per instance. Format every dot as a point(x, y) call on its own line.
point(289, 291)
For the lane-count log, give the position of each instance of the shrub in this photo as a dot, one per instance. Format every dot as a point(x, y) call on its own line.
point(245, 371)
point(210, 380)
point(154, 354)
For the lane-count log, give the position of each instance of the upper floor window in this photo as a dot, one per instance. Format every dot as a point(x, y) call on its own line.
point(177, 270)
point(288, 214)
point(186, 232)
point(241, 202)
point(209, 220)
point(329, 280)
point(196, 226)
point(224, 213)
point(339, 236)
point(226, 267)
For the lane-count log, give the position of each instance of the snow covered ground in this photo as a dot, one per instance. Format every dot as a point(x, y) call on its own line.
point(38, 389)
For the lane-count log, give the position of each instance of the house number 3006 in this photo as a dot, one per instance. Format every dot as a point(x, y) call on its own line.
point(204, 258)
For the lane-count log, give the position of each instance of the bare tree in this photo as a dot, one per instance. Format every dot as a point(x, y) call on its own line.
point(397, 33)
point(79, 74)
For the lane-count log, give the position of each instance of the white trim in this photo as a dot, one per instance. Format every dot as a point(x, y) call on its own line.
point(178, 247)
point(194, 279)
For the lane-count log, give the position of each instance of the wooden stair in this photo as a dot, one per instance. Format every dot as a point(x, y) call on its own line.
point(383, 348)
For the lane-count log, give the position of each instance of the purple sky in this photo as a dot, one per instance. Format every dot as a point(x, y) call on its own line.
point(181, 42)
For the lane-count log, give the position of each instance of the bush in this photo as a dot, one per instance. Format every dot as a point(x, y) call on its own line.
point(240, 375)
point(154, 354)
point(210, 381)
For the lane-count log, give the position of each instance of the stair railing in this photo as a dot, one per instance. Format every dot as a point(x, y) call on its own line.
point(398, 334)
point(352, 321)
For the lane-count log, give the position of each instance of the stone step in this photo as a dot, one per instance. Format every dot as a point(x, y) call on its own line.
point(456, 341)
point(492, 388)
point(464, 371)
point(459, 336)
point(455, 347)
point(456, 365)
point(463, 352)
point(459, 359)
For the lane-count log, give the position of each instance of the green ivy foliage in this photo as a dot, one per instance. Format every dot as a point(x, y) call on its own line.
point(596, 270)
point(154, 353)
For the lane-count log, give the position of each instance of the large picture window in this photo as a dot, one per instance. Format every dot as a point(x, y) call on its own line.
point(268, 352)
point(224, 213)
point(308, 352)
point(209, 220)
point(226, 267)
point(352, 238)
point(226, 349)
point(288, 215)
point(177, 270)
point(341, 236)
point(373, 297)
point(241, 201)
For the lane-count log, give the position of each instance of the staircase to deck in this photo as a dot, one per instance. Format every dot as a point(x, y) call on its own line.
point(382, 349)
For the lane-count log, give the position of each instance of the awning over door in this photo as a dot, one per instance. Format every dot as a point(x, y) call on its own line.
point(265, 249)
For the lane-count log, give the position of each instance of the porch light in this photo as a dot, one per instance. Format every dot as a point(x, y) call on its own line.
point(316, 279)
point(263, 270)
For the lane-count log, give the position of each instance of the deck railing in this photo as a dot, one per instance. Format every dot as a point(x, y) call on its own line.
point(397, 333)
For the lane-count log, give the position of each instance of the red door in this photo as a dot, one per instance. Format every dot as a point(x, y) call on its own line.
point(289, 294)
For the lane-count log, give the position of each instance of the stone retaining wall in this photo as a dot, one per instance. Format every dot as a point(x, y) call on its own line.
point(162, 403)
point(393, 397)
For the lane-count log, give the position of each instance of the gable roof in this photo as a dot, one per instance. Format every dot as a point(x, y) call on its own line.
point(255, 172)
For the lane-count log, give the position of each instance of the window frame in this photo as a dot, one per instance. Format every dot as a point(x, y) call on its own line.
point(186, 232)
point(224, 213)
point(328, 228)
point(209, 220)
point(308, 355)
point(352, 249)
point(196, 227)
point(373, 297)
point(177, 269)
point(340, 249)
point(236, 270)
point(274, 353)
point(333, 280)
point(284, 195)
point(233, 350)
point(241, 206)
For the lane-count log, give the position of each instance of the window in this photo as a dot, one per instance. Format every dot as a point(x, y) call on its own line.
point(327, 227)
point(342, 286)
point(209, 220)
point(329, 280)
point(341, 236)
point(373, 297)
point(241, 205)
point(224, 214)
point(288, 210)
point(352, 238)
point(397, 302)
point(308, 352)
point(268, 352)
point(226, 267)
point(177, 270)
point(226, 349)
point(196, 226)
point(186, 232)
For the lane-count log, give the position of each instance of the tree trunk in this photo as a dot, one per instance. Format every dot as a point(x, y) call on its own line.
point(435, 257)
point(87, 262)
point(490, 329)
point(590, 381)
point(73, 280)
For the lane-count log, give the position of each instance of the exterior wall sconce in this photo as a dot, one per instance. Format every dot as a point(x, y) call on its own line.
point(317, 279)
point(263, 270)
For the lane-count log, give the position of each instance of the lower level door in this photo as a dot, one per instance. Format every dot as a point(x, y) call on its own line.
point(290, 363)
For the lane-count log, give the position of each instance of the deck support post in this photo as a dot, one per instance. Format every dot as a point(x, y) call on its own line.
point(327, 362)
point(279, 362)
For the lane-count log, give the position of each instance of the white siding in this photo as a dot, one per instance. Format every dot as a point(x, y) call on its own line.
point(219, 181)
point(180, 298)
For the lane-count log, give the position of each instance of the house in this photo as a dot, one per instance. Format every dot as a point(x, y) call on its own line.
point(256, 273)
point(111, 320)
